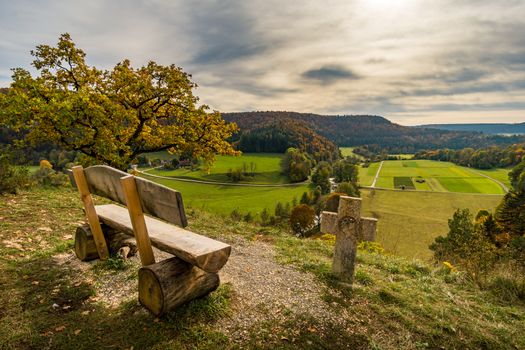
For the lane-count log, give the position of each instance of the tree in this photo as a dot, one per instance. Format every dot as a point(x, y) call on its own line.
point(321, 177)
point(296, 165)
point(302, 219)
point(510, 213)
point(345, 170)
point(112, 116)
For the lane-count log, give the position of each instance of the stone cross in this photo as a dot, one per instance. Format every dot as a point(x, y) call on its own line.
point(349, 228)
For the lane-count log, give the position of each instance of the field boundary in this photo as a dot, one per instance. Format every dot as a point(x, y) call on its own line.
point(220, 183)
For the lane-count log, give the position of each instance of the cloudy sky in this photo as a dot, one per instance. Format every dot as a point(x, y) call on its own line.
point(414, 62)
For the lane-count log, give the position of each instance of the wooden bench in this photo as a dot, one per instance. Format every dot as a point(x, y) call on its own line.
point(165, 285)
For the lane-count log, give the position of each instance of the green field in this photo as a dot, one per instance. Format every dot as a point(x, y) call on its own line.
point(498, 174)
point(428, 175)
point(349, 151)
point(224, 199)
point(267, 168)
point(366, 175)
point(409, 221)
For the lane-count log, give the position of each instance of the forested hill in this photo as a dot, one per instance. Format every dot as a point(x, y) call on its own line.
point(490, 128)
point(355, 130)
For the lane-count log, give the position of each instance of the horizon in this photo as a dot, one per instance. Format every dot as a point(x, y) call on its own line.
point(411, 62)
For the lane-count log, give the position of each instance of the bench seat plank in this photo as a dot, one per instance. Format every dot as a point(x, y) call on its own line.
point(204, 252)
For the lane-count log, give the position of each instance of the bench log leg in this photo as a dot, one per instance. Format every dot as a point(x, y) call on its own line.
point(118, 243)
point(172, 282)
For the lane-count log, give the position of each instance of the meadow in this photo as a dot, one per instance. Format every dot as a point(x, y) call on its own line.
point(223, 199)
point(266, 168)
point(409, 221)
point(428, 175)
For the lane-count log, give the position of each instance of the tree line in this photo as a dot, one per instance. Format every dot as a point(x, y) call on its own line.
point(483, 158)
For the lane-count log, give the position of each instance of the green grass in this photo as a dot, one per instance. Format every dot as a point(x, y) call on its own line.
point(437, 176)
point(366, 175)
point(498, 174)
point(409, 221)
point(224, 199)
point(349, 151)
point(267, 168)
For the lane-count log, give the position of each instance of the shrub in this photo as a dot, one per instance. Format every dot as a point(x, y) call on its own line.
point(12, 178)
point(46, 176)
point(45, 164)
point(371, 247)
point(235, 175)
point(265, 217)
point(348, 188)
point(235, 215)
point(302, 219)
point(248, 217)
point(466, 245)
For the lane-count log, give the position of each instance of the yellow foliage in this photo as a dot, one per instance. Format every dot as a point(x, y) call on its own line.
point(45, 164)
point(449, 266)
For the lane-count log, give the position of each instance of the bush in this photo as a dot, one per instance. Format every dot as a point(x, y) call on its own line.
point(46, 176)
point(348, 188)
point(12, 178)
point(371, 247)
point(302, 219)
point(235, 175)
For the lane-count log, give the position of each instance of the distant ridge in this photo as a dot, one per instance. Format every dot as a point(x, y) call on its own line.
point(356, 130)
point(486, 128)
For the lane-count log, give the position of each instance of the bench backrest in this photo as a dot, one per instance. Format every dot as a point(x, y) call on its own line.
point(156, 200)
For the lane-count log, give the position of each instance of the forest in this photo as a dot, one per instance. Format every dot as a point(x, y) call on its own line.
point(356, 130)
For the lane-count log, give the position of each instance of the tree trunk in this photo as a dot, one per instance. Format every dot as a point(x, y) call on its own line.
point(172, 282)
point(118, 243)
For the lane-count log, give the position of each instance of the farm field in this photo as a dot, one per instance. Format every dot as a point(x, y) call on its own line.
point(366, 175)
point(409, 221)
point(498, 174)
point(224, 199)
point(428, 175)
point(266, 168)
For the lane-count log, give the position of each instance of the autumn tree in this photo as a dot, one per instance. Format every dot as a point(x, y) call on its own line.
point(111, 116)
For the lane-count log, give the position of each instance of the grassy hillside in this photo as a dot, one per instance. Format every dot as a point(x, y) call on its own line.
point(51, 300)
point(409, 221)
point(428, 175)
point(267, 168)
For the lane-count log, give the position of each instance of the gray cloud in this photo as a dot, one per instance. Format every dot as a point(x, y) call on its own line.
point(330, 74)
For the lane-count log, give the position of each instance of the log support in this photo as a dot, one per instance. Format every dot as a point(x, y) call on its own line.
point(118, 243)
point(170, 283)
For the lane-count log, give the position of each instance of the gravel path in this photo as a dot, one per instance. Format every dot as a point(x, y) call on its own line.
point(377, 175)
point(262, 289)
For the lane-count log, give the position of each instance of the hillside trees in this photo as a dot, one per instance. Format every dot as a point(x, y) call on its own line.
point(111, 116)
point(484, 158)
point(355, 130)
point(510, 214)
